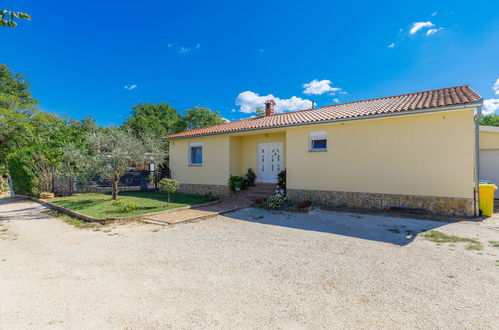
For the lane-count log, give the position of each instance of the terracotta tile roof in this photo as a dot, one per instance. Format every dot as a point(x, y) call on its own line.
point(459, 95)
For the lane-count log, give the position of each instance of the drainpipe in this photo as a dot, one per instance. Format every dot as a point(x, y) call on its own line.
point(477, 158)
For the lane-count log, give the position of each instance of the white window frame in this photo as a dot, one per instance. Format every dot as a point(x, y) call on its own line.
point(317, 135)
point(195, 145)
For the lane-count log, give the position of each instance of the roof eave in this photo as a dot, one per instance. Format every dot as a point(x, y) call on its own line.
point(390, 114)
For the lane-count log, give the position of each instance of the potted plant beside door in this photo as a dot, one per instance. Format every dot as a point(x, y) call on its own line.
point(236, 182)
point(281, 182)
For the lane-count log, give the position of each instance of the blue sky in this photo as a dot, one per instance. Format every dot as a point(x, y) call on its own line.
point(101, 57)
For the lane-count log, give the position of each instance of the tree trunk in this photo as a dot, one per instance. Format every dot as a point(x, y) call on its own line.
point(115, 190)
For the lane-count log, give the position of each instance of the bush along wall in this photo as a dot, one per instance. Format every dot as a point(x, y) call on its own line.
point(31, 170)
point(21, 173)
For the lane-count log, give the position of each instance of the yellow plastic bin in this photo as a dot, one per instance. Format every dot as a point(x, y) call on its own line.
point(486, 198)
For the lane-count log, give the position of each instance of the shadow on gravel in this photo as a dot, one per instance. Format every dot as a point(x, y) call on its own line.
point(8, 211)
point(398, 231)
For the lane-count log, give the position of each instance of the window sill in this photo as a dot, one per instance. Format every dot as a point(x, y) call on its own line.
point(318, 150)
point(195, 165)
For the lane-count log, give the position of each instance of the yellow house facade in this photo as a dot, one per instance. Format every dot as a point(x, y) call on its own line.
point(400, 152)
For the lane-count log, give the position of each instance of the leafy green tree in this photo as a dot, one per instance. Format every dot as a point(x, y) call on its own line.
point(15, 85)
point(20, 128)
point(33, 143)
point(168, 186)
point(116, 149)
point(8, 18)
point(158, 119)
point(200, 117)
point(490, 120)
point(260, 112)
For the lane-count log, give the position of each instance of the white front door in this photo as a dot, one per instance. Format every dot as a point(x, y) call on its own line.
point(269, 161)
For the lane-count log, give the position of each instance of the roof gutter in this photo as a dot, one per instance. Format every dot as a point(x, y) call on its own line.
point(478, 103)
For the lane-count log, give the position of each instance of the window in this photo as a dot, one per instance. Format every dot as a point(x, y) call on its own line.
point(318, 141)
point(195, 154)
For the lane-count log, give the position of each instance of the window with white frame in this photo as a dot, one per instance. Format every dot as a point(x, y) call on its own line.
point(195, 154)
point(318, 141)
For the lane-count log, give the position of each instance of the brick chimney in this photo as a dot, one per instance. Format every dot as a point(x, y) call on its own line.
point(269, 108)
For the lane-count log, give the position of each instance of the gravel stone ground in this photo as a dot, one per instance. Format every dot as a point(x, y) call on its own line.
point(249, 269)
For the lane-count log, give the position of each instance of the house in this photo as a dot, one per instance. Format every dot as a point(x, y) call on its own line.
point(489, 155)
point(412, 151)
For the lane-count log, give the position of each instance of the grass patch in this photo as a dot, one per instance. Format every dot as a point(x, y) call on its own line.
point(99, 205)
point(439, 237)
point(473, 246)
point(494, 244)
point(78, 223)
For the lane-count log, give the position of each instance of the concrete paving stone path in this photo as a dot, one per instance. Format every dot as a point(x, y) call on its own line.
point(226, 205)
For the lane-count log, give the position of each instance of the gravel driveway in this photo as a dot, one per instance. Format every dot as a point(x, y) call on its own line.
point(249, 269)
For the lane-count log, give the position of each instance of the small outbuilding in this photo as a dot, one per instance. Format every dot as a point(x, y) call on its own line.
point(489, 155)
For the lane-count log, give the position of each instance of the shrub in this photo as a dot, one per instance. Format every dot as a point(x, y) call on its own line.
point(123, 206)
point(281, 180)
point(303, 204)
point(168, 186)
point(250, 177)
point(236, 182)
point(275, 202)
point(260, 201)
point(31, 169)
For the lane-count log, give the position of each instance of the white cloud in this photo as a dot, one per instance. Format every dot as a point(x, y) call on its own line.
point(490, 106)
point(343, 92)
point(261, 50)
point(248, 102)
point(183, 50)
point(496, 87)
point(433, 31)
point(420, 25)
point(316, 87)
point(391, 45)
point(130, 87)
point(336, 100)
point(170, 45)
point(198, 45)
point(434, 13)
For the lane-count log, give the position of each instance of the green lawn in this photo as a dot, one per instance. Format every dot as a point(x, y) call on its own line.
point(99, 205)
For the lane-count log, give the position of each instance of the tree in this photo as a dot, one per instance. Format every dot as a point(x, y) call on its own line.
point(490, 120)
point(21, 128)
point(8, 17)
point(168, 186)
point(23, 125)
point(15, 85)
point(200, 117)
point(158, 119)
point(117, 149)
point(260, 112)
